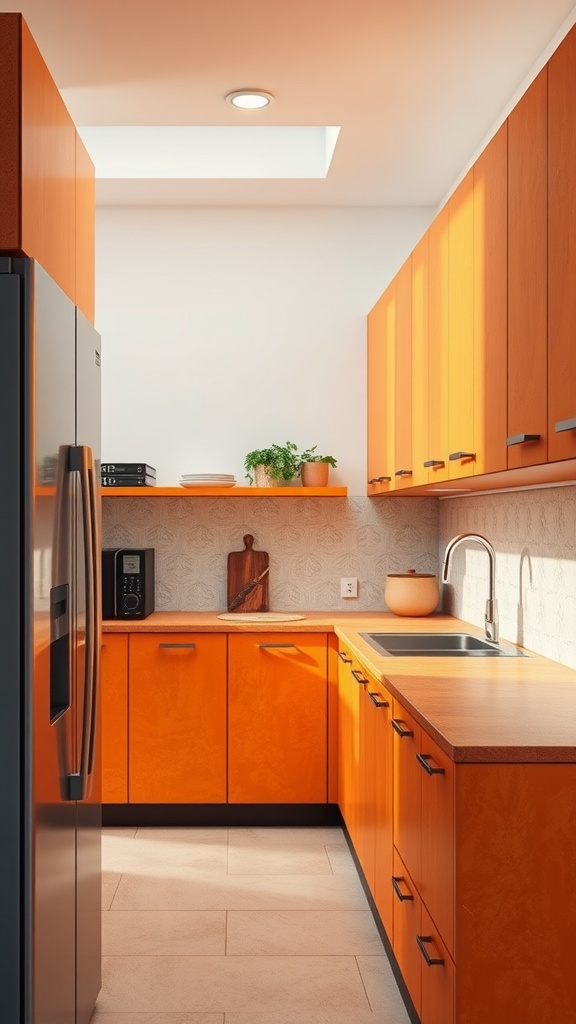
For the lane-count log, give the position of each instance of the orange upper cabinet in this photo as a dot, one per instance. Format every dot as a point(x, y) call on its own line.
point(85, 240)
point(277, 718)
point(562, 251)
point(403, 473)
point(527, 427)
point(380, 326)
point(461, 439)
point(436, 458)
point(177, 718)
point(490, 298)
point(38, 203)
point(420, 369)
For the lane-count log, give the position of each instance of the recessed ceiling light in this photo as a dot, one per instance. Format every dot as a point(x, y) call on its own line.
point(249, 99)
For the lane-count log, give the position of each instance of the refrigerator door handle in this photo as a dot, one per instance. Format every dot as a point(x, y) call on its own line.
point(82, 462)
point(96, 618)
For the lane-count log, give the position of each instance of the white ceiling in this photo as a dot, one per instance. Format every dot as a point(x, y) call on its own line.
point(417, 85)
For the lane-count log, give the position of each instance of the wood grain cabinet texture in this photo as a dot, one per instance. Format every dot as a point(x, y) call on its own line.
point(114, 718)
point(47, 178)
point(381, 392)
point(494, 335)
point(277, 718)
point(177, 718)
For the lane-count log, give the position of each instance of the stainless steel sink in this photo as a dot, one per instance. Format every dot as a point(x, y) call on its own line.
point(439, 645)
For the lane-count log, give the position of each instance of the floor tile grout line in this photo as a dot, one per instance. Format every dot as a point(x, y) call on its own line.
point(363, 984)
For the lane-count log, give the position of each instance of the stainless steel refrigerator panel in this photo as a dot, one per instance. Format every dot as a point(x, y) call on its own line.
point(88, 419)
point(54, 751)
point(15, 653)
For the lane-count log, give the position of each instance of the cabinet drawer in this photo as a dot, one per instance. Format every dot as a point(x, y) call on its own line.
point(407, 918)
point(438, 975)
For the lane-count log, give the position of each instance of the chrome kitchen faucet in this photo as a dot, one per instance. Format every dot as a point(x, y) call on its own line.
point(491, 614)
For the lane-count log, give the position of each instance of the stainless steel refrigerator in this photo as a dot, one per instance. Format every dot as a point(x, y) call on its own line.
point(50, 814)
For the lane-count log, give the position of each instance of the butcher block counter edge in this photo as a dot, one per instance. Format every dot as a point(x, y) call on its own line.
point(512, 710)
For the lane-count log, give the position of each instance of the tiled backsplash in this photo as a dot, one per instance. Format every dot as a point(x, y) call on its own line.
point(534, 535)
point(312, 542)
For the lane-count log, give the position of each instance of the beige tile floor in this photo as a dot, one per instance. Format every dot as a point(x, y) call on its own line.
point(239, 926)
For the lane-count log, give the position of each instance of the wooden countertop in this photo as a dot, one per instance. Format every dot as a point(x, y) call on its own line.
point(477, 709)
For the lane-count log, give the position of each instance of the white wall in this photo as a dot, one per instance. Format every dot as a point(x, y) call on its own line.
point(230, 329)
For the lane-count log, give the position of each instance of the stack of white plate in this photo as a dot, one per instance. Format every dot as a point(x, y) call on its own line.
point(207, 480)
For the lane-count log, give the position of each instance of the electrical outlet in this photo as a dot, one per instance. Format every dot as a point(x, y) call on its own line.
point(349, 586)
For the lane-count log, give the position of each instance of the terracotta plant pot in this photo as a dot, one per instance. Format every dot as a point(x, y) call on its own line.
point(411, 593)
point(314, 474)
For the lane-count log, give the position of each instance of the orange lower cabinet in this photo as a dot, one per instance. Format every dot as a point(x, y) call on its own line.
point(177, 718)
point(348, 743)
point(384, 793)
point(438, 975)
point(114, 717)
point(277, 718)
point(407, 924)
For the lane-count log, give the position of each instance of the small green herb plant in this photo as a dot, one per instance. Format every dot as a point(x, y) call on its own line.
point(310, 456)
point(281, 461)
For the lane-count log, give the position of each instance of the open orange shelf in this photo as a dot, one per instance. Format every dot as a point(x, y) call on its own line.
point(224, 492)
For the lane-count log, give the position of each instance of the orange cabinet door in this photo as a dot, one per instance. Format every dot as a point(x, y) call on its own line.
point(114, 717)
point(403, 470)
point(436, 458)
point(438, 975)
point(381, 329)
point(407, 790)
point(461, 440)
point(561, 251)
point(527, 429)
point(407, 923)
point(382, 766)
point(348, 743)
point(367, 783)
point(490, 176)
point(277, 718)
point(420, 364)
point(85, 231)
point(437, 835)
point(177, 718)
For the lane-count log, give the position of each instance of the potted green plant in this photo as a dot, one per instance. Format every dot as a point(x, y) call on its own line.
point(314, 469)
point(267, 467)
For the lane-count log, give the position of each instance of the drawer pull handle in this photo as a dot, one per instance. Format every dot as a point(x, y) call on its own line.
point(432, 961)
point(379, 479)
point(424, 759)
point(344, 657)
point(521, 438)
point(456, 456)
point(434, 462)
point(396, 884)
point(266, 646)
point(563, 425)
point(358, 676)
point(375, 698)
point(403, 472)
point(397, 723)
point(181, 647)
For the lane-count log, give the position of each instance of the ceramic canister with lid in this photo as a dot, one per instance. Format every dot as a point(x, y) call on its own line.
point(411, 592)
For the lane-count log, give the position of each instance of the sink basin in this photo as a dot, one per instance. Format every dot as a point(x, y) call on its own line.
point(440, 645)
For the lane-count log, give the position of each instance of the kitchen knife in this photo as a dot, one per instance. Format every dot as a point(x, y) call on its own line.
point(247, 590)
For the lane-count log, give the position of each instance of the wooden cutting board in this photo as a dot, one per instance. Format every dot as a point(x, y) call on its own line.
point(244, 567)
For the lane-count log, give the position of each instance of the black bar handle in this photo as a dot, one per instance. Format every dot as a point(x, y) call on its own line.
point(455, 456)
point(375, 698)
point(276, 645)
point(396, 879)
point(432, 961)
point(430, 463)
point(563, 425)
point(344, 657)
point(358, 676)
point(396, 724)
point(423, 759)
point(521, 438)
point(403, 472)
point(189, 647)
point(379, 479)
